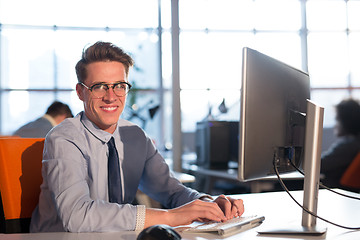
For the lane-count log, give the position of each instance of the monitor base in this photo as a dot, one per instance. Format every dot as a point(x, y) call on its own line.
point(294, 230)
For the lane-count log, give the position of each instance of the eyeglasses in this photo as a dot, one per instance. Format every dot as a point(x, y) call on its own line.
point(99, 90)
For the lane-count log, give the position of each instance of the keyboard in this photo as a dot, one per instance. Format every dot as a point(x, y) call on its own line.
point(229, 227)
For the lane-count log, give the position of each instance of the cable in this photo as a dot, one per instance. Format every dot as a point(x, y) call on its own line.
point(305, 209)
point(323, 186)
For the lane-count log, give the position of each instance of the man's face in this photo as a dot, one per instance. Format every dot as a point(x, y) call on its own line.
point(339, 129)
point(105, 111)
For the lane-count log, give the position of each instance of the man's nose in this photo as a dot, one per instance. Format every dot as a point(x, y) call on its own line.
point(110, 94)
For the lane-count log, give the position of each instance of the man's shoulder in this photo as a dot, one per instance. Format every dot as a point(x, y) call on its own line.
point(348, 140)
point(130, 130)
point(35, 123)
point(70, 123)
point(37, 128)
point(125, 124)
point(41, 120)
point(69, 127)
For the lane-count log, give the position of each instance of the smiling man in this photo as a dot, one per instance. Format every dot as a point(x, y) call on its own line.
point(94, 163)
point(103, 107)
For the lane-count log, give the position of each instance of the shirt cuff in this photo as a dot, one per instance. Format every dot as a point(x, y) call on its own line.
point(140, 217)
point(206, 197)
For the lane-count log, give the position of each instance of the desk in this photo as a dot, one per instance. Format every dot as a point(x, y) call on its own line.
point(277, 207)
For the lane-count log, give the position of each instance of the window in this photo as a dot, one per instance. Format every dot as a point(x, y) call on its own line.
point(213, 34)
point(333, 58)
point(42, 41)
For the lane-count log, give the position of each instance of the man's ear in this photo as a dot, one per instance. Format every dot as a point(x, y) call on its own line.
point(79, 91)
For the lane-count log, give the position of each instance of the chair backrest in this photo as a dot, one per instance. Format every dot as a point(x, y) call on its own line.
point(351, 177)
point(20, 180)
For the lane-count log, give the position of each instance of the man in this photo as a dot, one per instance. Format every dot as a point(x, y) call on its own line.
point(55, 114)
point(75, 195)
point(341, 153)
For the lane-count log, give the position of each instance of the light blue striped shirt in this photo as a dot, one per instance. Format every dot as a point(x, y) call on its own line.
point(74, 192)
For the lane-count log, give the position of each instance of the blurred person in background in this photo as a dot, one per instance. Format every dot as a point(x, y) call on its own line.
point(55, 114)
point(341, 153)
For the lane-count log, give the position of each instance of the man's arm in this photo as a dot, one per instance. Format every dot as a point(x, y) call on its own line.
point(221, 209)
point(187, 204)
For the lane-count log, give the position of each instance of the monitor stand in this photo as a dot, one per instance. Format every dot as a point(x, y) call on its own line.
point(312, 159)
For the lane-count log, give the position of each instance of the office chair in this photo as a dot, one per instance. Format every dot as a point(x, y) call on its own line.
point(20, 179)
point(351, 177)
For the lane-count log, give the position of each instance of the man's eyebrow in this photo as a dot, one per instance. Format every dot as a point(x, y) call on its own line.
point(121, 81)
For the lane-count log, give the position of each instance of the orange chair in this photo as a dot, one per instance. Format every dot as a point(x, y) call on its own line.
point(351, 177)
point(20, 179)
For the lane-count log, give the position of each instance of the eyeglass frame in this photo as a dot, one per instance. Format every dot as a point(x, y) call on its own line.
point(108, 87)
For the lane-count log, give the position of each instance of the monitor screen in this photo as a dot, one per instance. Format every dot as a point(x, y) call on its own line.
point(272, 116)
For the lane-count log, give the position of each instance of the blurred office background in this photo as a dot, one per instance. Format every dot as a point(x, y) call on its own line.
point(41, 41)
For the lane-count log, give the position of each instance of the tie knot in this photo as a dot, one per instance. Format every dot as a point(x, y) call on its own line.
point(111, 142)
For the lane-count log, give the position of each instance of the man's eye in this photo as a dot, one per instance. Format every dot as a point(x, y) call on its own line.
point(98, 87)
point(120, 86)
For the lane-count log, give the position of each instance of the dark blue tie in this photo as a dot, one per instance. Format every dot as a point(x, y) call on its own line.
point(114, 178)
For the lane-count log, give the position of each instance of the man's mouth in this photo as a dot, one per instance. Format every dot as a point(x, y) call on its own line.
point(109, 108)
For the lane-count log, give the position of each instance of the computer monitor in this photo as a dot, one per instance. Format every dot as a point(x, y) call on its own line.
point(279, 127)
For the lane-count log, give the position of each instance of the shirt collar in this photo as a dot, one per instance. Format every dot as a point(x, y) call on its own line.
point(95, 130)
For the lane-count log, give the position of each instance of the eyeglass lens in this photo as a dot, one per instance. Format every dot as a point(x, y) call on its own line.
point(120, 89)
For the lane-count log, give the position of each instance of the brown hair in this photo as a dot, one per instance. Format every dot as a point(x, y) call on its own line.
point(58, 108)
point(348, 115)
point(102, 52)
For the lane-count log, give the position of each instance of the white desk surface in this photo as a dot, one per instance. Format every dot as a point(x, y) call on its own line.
point(277, 207)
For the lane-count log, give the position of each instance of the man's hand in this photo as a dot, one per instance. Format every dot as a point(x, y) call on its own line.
point(220, 209)
point(196, 210)
point(231, 207)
